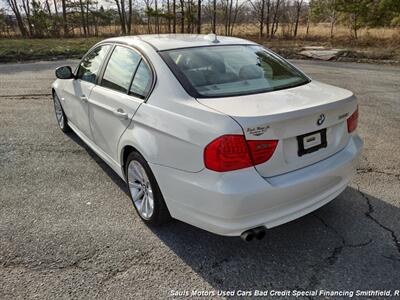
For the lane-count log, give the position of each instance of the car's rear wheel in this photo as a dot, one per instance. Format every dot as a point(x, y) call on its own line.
point(60, 115)
point(144, 191)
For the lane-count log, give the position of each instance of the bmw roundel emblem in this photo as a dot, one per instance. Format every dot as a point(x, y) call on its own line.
point(321, 119)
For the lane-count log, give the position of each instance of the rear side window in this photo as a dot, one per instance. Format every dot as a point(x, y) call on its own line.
point(141, 83)
point(232, 70)
point(90, 66)
point(120, 69)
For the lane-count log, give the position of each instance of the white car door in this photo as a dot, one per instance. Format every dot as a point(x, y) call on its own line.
point(124, 85)
point(76, 92)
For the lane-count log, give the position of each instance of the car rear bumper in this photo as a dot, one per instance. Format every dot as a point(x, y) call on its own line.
point(230, 203)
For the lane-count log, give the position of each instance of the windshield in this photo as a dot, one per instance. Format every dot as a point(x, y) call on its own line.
point(218, 71)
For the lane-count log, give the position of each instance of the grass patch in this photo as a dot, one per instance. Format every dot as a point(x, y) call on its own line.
point(46, 49)
point(368, 47)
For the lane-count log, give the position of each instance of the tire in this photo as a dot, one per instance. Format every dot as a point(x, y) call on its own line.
point(144, 191)
point(61, 118)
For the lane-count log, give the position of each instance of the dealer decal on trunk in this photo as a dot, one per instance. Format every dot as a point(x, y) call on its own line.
point(257, 131)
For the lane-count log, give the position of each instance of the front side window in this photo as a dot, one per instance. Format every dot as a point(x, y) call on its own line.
point(90, 66)
point(141, 83)
point(120, 69)
point(218, 71)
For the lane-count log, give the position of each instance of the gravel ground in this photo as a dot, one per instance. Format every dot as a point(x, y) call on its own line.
point(69, 230)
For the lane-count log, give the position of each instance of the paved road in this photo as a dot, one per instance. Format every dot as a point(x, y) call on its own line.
point(68, 229)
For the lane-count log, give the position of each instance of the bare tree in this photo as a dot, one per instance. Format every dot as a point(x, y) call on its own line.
point(214, 21)
point(174, 13)
point(13, 4)
point(82, 14)
point(121, 13)
point(182, 16)
point(198, 16)
point(27, 9)
point(55, 7)
point(87, 17)
point(157, 16)
point(148, 4)
point(169, 16)
point(64, 13)
point(298, 5)
point(259, 8)
point(129, 23)
point(275, 19)
point(48, 7)
point(332, 15)
point(235, 15)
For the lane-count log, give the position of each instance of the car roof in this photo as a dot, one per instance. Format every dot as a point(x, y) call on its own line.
point(175, 41)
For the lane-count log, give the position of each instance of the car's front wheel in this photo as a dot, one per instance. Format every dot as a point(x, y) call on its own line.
point(60, 115)
point(144, 191)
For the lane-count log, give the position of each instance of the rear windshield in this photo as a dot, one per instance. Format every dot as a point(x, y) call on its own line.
point(219, 71)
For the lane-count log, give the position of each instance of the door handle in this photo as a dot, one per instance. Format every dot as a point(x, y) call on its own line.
point(120, 113)
point(84, 98)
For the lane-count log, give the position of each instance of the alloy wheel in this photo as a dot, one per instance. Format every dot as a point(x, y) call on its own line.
point(140, 189)
point(59, 112)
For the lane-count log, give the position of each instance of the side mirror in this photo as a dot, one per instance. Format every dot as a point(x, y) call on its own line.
point(64, 72)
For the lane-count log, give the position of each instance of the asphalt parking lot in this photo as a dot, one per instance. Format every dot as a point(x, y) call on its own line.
point(68, 228)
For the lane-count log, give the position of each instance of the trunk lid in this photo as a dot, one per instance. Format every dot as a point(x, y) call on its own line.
point(286, 115)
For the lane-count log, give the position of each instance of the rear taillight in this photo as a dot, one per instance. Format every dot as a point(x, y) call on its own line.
point(352, 122)
point(227, 153)
point(233, 152)
point(261, 151)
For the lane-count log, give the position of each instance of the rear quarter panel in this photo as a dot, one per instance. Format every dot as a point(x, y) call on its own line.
point(171, 128)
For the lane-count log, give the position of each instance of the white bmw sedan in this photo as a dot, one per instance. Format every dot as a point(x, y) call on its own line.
point(218, 132)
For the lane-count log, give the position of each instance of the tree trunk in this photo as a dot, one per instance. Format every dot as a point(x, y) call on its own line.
point(333, 21)
point(298, 10)
point(262, 13)
point(157, 19)
point(55, 7)
point(198, 16)
point(27, 10)
point(235, 17)
point(55, 21)
point(355, 27)
point(174, 13)
point(121, 13)
point(64, 13)
point(169, 16)
point(275, 20)
point(230, 17)
point(87, 18)
point(15, 8)
point(308, 24)
point(82, 13)
point(268, 17)
point(48, 7)
point(214, 21)
point(189, 17)
point(182, 16)
point(226, 17)
point(96, 30)
point(129, 23)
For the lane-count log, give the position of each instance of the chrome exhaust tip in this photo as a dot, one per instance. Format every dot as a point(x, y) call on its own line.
point(259, 232)
point(249, 235)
